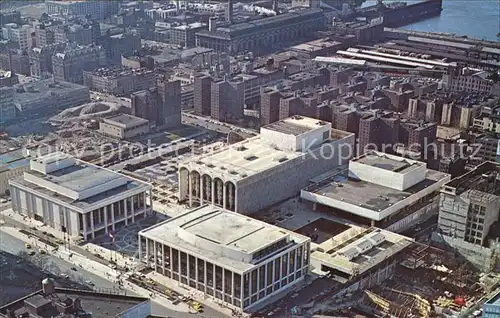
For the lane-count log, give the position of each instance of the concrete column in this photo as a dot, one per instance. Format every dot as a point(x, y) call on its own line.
point(265, 276)
point(315, 206)
point(274, 273)
point(151, 199)
point(147, 251)
point(133, 210)
point(113, 216)
point(163, 258)
point(155, 258)
point(196, 270)
point(258, 280)
point(179, 264)
point(126, 212)
point(106, 218)
point(295, 263)
point(170, 266)
point(372, 223)
point(232, 284)
point(205, 277)
point(213, 191)
point(84, 220)
point(190, 190)
point(200, 189)
point(187, 268)
point(92, 228)
point(213, 280)
point(145, 203)
point(223, 282)
point(140, 248)
point(242, 288)
point(224, 195)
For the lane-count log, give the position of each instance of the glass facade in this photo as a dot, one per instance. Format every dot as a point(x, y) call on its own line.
point(238, 289)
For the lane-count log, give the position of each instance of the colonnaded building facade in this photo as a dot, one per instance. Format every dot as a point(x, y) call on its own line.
point(272, 167)
point(78, 198)
point(226, 255)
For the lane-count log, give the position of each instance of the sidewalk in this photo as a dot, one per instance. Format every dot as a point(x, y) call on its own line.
point(97, 268)
point(196, 295)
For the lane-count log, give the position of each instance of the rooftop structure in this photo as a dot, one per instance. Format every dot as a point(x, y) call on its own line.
point(376, 186)
point(49, 95)
point(51, 301)
point(304, 22)
point(217, 241)
point(291, 144)
point(84, 190)
point(355, 251)
point(124, 126)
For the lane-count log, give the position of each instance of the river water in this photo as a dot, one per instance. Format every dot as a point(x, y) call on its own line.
point(473, 18)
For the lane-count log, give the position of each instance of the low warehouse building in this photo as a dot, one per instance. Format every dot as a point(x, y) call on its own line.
point(225, 255)
point(124, 126)
point(78, 198)
point(272, 167)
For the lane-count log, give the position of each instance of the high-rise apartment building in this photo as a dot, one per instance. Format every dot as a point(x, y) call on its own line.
point(120, 45)
point(269, 105)
point(41, 59)
point(15, 60)
point(44, 35)
point(19, 34)
point(170, 111)
point(379, 131)
point(96, 9)
point(161, 105)
point(7, 106)
point(202, 94)
point(227, 100)
point(69, 65)
point(470, 205)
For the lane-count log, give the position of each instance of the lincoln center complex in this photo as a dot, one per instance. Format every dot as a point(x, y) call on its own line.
point(78, 198)
point(272, 167)
point(226, 255)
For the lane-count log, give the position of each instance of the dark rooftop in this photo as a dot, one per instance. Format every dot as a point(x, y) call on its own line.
point(239, 29)
point(69, 303)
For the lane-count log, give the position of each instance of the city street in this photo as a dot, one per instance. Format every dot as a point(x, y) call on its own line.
point(211, 124)
point(13, 245)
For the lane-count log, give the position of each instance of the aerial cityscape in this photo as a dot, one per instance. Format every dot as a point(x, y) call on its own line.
point(251, 158)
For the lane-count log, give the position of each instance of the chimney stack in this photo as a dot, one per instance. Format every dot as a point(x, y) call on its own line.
point(275, 6)
point(229, 11)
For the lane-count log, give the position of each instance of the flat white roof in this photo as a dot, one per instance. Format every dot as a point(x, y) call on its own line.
point(296, 125)
point(354, 251)
point(367, 199)
point(241, 160)
point(227, 230)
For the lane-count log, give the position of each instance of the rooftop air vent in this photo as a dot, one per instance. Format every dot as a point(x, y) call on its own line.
point(222, 168)
point(210, 165)
point(233, 172)
point(251, 157)
point(241, 148)
point(281, 159)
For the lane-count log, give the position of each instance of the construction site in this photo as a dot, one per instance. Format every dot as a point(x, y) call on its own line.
point(412, 279)
point(428, 282)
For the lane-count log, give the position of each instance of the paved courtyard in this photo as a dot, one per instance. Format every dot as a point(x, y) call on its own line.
point(126, 237)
